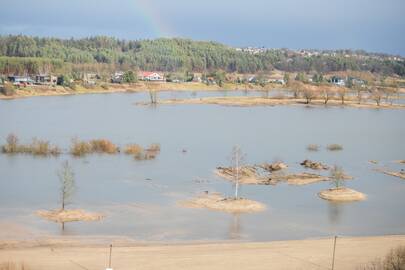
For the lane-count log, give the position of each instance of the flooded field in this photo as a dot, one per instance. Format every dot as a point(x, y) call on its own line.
point(139, 198)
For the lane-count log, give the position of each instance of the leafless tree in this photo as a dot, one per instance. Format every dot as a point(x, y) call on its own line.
point(342, 92)
point(376, 95)
point(337, 176)
point(237, 160)
point(309, 95)
point(327, 94)
point(67, 184)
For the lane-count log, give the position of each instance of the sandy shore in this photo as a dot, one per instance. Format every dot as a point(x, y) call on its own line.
point(302, 254)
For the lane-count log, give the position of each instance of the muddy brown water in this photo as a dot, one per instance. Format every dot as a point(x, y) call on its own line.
point(139, 197)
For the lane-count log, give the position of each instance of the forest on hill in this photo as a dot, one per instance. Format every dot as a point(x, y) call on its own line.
point(21, 54)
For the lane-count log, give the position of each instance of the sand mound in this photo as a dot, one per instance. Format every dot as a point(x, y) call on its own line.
point(61, 216)
point(400, 174)
point(341, 195)
point(216, 202)
point(247, 174)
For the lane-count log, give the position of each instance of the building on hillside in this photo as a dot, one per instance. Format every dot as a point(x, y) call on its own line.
point(277, 81)
point(45, 79)
point(21, 80)
point(150, 76)
point(118, 77)
point(357, 82)
point(338, 81)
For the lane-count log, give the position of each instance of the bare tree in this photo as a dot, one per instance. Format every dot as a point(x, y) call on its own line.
point(327, 94)
point(67, 184)
point(237, 160)
point(360, 93)
point(376, 95)
point(342, 92)
point(152, 93)
point(337, 176)
point(309, 95)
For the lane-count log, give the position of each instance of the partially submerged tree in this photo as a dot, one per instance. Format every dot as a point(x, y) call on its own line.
point(67, 184)
point(237, 160)
point(337, 176)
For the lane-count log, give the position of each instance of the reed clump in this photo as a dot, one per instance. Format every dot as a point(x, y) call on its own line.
point(36, 147)
point(335, 147)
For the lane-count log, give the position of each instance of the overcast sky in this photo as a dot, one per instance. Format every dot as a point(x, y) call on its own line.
point(373, 25)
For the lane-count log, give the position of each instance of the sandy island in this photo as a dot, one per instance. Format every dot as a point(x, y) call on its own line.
point(249, 175)
point(261, 101)
point(217, 202)
point(351, 252)
point(62, 216)
point(342, 195)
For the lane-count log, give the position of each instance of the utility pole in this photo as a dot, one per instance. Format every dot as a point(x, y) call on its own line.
point(237, 174)
point(109, 259)
point(334, 249)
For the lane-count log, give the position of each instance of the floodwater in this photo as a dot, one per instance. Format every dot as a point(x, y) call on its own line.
point(139, 197)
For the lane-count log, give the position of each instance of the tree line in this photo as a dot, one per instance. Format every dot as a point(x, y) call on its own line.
point(19, 54)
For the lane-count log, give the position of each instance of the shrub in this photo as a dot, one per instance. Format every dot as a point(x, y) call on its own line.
point(394, 260)
point(154, 147)
point(313, 147)
point(337, 176)
point(12, 144)
point(133, 149)
point(103, 146)
point(43, 148)
point(104, 86)
point(80, 148)
point(335, 147)
point(7, 89)
point(37, 147)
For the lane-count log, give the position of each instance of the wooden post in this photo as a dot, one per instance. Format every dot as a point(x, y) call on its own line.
point(334, 249)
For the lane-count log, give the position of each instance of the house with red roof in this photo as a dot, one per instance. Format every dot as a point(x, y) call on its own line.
point(150, 76)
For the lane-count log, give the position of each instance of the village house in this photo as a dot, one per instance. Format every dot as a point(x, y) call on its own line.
point(117, 77)
point(20, 80)
point(150, 76)
point(90, 78)
point(338, 81)
point(44, 79)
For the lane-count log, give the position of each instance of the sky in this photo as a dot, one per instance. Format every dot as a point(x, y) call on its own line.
point(372, 25)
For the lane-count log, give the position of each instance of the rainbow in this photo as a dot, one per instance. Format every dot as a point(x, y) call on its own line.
point(151, 15)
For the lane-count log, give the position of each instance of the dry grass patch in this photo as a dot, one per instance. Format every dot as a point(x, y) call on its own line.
point(80, 148)
point(62, 216)
point(13, 266)
point(217, 202)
